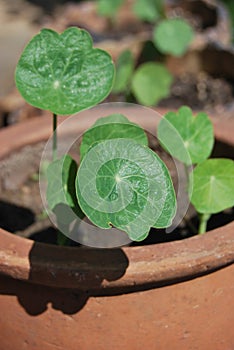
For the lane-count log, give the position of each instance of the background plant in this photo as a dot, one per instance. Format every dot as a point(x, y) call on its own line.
point(151, 81)
point(64, 74)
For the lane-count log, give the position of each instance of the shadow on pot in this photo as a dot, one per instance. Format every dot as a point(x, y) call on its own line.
point(64, 277)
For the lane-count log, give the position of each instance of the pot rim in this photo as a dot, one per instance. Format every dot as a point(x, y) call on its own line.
point(103, 269)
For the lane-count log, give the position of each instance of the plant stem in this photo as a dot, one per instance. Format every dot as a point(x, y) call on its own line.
point(203, 223)
point(54, 137)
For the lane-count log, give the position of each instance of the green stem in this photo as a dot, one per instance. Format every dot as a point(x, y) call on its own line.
point(54, 137)
point(203, 223)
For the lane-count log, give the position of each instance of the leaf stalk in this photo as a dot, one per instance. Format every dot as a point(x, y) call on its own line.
point(203, 218)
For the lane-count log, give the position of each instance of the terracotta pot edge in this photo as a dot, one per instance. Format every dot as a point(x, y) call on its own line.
point(23, 270)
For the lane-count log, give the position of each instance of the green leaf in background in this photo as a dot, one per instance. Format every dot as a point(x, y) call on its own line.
point(148, 10)
point(124, 70)
point(186, 137)
point(64, 73)
point(173, 36)
point(123, 184)
point(108, 8)
point(111, 127)
point(151, 82)
point(212, 189)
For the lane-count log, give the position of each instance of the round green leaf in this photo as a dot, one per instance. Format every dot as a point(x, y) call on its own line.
point(186, 137)
point(173, 36)
point(123, 184)
point(151, 82)
point(111, 127)
point(124, 70)
point(212, 189)
point(64, 73)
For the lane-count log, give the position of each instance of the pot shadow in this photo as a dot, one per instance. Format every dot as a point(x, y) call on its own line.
point(87, 268)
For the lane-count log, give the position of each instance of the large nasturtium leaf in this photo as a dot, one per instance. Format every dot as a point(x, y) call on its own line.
point(173, 36)
point(111, 127)
point(63, 73)
point(123, 184)
point(186, 137)
point(148, 10)
point(212, 189)
point(124, 70)
point(151, 82)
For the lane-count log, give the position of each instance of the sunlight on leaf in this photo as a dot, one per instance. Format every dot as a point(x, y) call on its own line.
point(186, 137)
point(213, 186)
point(123, 184)
point(63, 73)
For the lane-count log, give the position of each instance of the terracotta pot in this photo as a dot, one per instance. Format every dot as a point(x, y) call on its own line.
point(176, 295)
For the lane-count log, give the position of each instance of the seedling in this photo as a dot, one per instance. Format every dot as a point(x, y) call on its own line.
point(120, 182)
point(63, 73)
point(150, 82)
point(190, 139)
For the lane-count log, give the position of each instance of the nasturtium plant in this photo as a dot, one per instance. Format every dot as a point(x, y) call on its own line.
point(63, 73)
point(123, 184)
point(213, 185)
point(151, 82)
point(186, 137)
point(173, 36)
point(190, 139)
point(110, 127)
point(124, 71)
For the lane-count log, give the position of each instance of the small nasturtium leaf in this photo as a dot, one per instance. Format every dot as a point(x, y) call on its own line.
point(124, 70)
point(111, 127)
point(151, 82)
point(186, 137)
point(148, 10)
point(212, 188)
point(123, 184)
point(63, 73)
point(173, 36)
